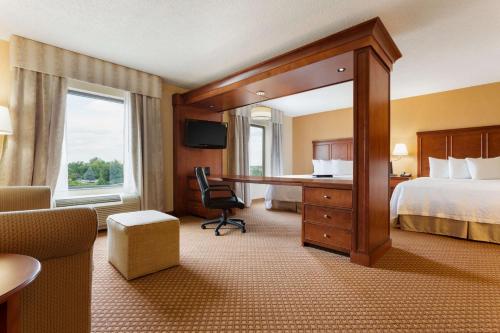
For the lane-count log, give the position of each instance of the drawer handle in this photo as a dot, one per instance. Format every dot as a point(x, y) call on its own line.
point(326, 216)
point(326, 196)
point(325, 236)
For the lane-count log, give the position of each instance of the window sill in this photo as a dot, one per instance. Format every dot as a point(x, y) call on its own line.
point(81, 193)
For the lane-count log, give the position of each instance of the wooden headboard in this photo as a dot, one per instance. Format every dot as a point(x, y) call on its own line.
point(335, 149)
point(459, 143)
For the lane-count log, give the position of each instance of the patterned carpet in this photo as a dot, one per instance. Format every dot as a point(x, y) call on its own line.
point(265, 281)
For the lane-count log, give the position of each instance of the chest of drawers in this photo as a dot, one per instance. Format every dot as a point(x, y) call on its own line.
point(327, 218)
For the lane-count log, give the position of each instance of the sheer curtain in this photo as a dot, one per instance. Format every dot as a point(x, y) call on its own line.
point(276, 143)
point(146, 150)
point(32, 154)
point(129, 183)
point(238, 152)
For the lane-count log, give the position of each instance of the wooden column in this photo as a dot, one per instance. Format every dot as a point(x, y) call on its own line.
point(186, 159)
point(371, 157)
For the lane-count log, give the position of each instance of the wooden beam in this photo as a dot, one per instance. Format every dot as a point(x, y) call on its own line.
point(370, 33)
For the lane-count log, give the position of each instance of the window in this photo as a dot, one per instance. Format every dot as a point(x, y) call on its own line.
point(256, 150)
point(94, 141)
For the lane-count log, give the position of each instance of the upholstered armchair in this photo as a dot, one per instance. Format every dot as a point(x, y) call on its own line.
point(62, 240)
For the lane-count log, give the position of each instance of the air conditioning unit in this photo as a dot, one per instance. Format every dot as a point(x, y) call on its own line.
point(104, 205)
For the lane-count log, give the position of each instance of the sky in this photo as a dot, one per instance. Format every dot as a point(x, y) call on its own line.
point(255, 146)
point(94, 128)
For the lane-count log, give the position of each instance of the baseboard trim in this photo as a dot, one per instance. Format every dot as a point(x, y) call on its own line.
point(369, 259)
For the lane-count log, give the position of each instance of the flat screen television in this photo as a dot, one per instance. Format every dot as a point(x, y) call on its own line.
point(205, 134)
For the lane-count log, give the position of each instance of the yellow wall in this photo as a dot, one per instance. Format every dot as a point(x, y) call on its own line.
point(467, 107)
point(5, 78)
point(319, 126)
point(5, 74)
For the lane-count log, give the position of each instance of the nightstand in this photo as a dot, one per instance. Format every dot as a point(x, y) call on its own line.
point(395, 180)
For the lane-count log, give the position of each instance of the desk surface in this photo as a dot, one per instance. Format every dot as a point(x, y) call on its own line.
point(316, 182)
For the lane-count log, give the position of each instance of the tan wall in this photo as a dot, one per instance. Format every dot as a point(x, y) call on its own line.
point(287, 145)
point(5, 78)
point(168, 138)
point(5, 73)
point(319, 126)
point(467, 107)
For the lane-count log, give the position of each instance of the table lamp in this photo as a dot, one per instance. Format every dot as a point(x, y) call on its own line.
point(400, 150)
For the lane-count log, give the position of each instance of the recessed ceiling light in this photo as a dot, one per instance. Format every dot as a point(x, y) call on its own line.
point(211, 106)
point(341, 69)
point(260, 93)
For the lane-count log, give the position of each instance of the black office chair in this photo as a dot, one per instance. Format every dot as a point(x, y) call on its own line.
point(223, 203)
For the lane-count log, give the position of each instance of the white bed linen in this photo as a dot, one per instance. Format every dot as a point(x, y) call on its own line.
point(457, 199)
point(287, 192)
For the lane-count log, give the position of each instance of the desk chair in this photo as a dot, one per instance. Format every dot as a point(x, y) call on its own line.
point(223, 203)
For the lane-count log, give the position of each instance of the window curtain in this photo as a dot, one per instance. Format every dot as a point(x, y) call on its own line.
point(238, 152)
point(44, 58)
point(146, 147)
point(276, 143)
point(32, 154)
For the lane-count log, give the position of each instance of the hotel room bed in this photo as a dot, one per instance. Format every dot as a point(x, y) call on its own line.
point(463, 208)
point(290, 197)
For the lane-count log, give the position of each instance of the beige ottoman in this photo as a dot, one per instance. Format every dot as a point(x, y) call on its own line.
point(143, 242)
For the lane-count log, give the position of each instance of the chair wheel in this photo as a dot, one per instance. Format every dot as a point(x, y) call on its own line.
point(217, 233)
point(243, 230)
point(203, 227)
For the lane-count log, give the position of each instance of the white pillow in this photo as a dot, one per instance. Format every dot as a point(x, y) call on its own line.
point(316, 167)
point(342, 168)
point(484, 168)
point(458, 168)
point(438, 168)
point(322, 167)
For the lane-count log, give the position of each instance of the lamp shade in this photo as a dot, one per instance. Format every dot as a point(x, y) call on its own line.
point(5, 124)
point(400, 149)
point(261, 113)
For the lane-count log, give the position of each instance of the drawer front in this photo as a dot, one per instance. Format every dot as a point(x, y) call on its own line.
point(328, 197)
point(194, 195)
point(335, 217)
point(394, 182)
point(338, 239)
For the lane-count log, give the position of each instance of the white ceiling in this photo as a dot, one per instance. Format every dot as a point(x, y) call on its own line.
point(446, 44)
point(313, 101)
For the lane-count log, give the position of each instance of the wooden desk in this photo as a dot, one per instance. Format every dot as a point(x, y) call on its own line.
point(326, 208)
point(315, 182)
point(16, 272)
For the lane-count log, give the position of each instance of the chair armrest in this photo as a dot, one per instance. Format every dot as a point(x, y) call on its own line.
point(220, 185)
point(15, 198)
point(48, 233)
